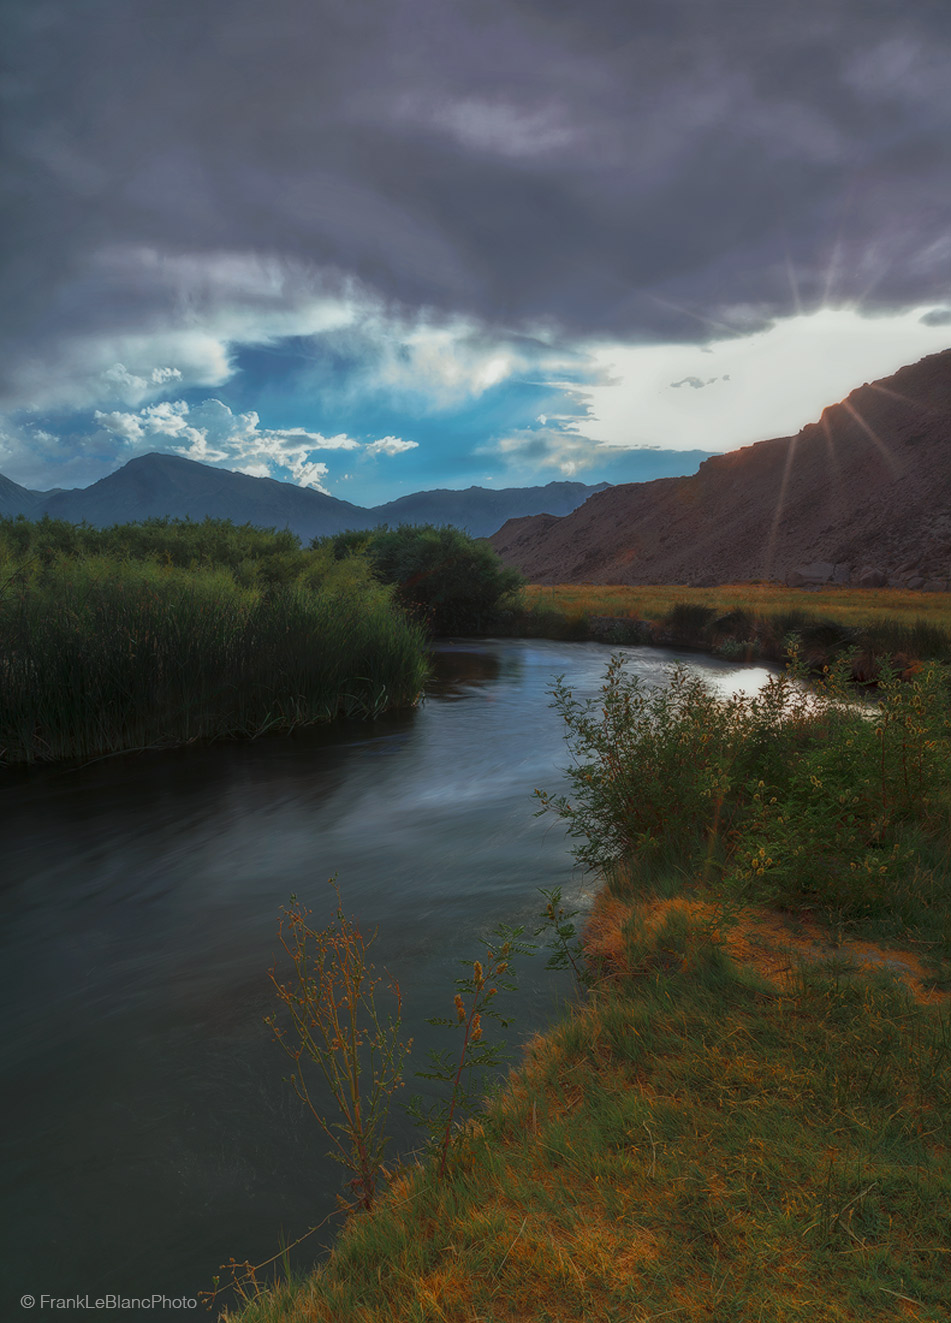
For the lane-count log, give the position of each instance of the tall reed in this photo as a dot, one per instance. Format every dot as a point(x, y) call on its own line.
point(99, 654)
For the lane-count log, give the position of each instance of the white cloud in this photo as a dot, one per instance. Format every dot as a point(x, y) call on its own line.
point(390, 445)
point(539, 448)
point(131, 387)
point(211, 434)
point(192, 310)
point(439, 365)
point(779, 379)
point(497, 126)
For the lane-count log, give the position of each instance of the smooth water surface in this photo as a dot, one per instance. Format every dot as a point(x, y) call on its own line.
point(149, 1134)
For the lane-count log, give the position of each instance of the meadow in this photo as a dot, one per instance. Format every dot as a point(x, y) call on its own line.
point(747, 1115)
point(748, 621)
point(852, 606)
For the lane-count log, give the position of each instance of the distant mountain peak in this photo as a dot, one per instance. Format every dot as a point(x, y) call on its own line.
point(163, 484)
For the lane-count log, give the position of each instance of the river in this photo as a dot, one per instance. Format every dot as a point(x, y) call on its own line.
point(149, 1135)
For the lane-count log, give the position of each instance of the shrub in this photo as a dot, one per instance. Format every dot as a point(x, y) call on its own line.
point(453, 583)
point(795, 797)
point(335, 1025)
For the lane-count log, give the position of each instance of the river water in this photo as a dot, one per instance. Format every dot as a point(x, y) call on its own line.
point(149, 1135)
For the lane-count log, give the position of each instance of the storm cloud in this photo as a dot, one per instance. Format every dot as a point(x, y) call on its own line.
point(184, 177)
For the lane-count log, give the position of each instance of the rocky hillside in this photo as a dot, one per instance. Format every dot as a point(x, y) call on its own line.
point(862, 496)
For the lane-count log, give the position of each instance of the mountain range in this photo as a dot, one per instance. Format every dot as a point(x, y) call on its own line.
point(160, 485)
point(861, 496)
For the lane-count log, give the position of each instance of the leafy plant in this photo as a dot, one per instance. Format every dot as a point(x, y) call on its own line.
point(649, 763)
point(794, 795)
point(335, 1025)
point(454, 583)
point(466, 1070)
point(562, 937)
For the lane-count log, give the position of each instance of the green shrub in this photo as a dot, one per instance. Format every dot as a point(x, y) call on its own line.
point(790, 796)
point(452, 583)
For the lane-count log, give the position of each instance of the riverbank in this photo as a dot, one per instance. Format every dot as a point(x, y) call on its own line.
point(749, 1116)
point(719, 1132)
point(748, 622)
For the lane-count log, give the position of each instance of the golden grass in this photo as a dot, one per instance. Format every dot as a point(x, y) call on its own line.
point(771, 942)
point(677, 1148)
point(854, 606)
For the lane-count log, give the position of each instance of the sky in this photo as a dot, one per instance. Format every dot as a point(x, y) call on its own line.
point(382, 246)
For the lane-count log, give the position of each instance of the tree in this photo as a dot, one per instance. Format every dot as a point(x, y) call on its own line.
point(454, 583)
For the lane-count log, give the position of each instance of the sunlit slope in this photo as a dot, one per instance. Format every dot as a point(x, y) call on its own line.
point(868, 485)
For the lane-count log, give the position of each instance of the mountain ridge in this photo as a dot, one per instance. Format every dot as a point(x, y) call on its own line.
point(862, 495)
point(164, 485)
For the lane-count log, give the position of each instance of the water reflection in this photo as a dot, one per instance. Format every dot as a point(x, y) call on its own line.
point(149, 1135)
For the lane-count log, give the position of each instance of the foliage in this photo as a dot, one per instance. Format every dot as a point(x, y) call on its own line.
point(454, 583)
point(262, 556)
point(336, 1026)
point(831, 826)
point(558, 926)
point(792, 795)
point(748, 621)
point(107, 651)
point(648, 762)
point(467, 1070)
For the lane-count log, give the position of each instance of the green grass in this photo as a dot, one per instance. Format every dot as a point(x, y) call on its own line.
point(106, 652)
point(744, 622)
point(750, 1116)
point(694, 1139)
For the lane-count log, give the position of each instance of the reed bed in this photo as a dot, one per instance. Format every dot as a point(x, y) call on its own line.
point(101, 653)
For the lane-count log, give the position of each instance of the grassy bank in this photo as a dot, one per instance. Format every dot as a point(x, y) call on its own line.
point(153, 635)
point(750, 1115)
point(748, 621)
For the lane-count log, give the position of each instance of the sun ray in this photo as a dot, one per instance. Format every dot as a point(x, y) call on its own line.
point(780, 502)
point(890, 459)
point(733, 331)
point(832, 273)
point(897, 395)
point(830, 447)
point(793, 284)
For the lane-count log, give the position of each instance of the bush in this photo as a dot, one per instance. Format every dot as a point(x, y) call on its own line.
point(453, 583)
point(796, 797)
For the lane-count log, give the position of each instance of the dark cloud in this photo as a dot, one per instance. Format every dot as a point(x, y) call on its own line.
point(648, 170)
point(696, 383)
